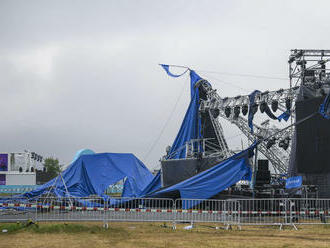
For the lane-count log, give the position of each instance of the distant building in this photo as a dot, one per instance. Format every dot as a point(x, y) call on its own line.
point(20, 168)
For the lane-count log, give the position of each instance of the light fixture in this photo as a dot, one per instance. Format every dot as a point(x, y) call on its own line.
point(245, 109)
point(237, 110)
point(227, 111)
point(288, 103)
point(263, 107)
point(215, 113)
point(270, 142)
point(274, 105)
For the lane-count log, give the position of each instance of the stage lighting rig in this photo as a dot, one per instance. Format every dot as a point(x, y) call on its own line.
point(308, 67)
point(226, 106)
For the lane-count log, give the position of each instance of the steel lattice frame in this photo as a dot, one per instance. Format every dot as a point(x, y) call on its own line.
point(306, 67)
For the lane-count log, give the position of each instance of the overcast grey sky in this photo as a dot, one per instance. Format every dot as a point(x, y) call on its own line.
point(84, 74)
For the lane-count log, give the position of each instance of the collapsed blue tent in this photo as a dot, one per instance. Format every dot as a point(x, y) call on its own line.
point(92, 174)
point(153, 186)
point(191, 125)
point(214, 180)
point(210, 182)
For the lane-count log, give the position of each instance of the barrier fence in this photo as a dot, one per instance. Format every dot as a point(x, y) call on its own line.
point(228, 212)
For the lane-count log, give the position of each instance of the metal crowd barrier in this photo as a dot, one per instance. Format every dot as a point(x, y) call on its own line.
point(286, 211)
point(228, 212)
point(199, 210)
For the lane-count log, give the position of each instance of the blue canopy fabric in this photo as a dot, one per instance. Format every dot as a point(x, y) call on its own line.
point(214, 180)
point(284, 116)
point(251, 108)
point(167, 69)
point(325, 107)
point(191, 125)
point(154, 185)
point(93, 174)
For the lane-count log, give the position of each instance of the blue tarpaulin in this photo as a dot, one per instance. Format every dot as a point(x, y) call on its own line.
point(191, 125)
point(93, 174)
point(154, 185)
point(284, 116)
point(252, 108)
point(325, 107)
point(214, 180)
point(167, 69)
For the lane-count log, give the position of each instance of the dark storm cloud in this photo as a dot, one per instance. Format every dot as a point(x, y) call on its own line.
point(84, 74)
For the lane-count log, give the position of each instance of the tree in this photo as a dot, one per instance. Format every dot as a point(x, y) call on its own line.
point(52, 166)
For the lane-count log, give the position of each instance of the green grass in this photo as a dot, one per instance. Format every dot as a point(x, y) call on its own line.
point(11, 228)
point(66, 228)
point(51, 228)
point(87, 235)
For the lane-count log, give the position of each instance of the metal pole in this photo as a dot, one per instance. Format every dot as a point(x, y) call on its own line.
point(291, 112)
point(254, 172)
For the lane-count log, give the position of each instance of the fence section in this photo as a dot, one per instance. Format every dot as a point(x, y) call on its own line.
point(18, 209)
point(284, 211)
point(229, 212)
point(198, 210)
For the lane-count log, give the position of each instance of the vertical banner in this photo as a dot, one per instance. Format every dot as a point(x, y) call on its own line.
point(3, 162)
point(2, 179)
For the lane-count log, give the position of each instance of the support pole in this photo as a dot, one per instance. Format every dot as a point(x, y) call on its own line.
point(254, 172)
point(66, 189)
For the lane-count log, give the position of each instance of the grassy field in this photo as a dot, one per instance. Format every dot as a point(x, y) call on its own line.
point(73, 235)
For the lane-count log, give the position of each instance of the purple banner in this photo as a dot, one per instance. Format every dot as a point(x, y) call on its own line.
point(3, 162)
point(2, 179)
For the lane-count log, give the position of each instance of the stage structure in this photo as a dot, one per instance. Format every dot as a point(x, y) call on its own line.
point(311, 139)
point(307, 73)
point(307, 68)
point(200, 164)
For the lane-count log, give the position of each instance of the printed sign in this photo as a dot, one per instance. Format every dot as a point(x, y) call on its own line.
point(293, 182)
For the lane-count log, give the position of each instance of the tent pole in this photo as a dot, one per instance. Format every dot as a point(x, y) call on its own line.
point(51, 187)
point(66, 189)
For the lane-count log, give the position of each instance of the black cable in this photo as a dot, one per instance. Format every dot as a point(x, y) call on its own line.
point(294, 124)
point(244, 75)
point(166, 123)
